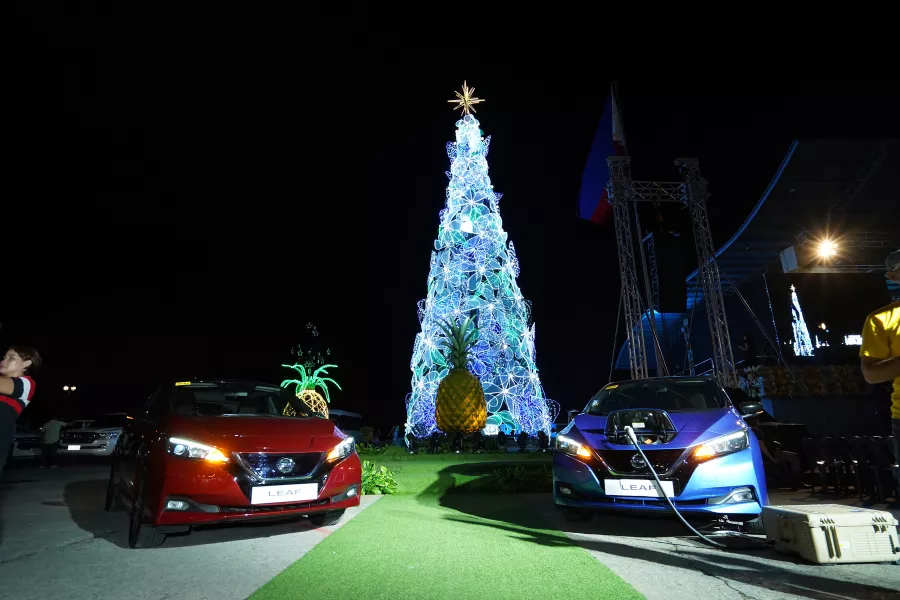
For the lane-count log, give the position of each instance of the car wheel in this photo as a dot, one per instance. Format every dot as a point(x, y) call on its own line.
point(754, 527)
point(326, 519)
point(140, 535)
point(576, 515)
point(112, 495)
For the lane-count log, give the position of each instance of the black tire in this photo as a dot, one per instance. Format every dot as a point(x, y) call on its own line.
point(140, 535)
point(326, 519)
point(754, 527)
point(113, 503)
point(577, 515)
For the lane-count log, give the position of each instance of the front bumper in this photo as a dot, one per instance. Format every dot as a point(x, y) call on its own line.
point(217, 494)
point(97, 448)
point(700, 490)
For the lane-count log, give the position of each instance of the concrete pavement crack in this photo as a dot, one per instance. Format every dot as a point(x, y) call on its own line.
point(69, 544)
point(731, 587)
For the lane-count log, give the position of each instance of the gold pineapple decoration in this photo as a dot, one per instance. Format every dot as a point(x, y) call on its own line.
point(460, 405)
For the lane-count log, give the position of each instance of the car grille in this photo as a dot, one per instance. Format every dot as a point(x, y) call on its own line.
point(620, 460)
point(274, 466)
point(79, 437)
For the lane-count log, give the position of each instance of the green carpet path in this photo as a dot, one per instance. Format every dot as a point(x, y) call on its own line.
point(443, 537)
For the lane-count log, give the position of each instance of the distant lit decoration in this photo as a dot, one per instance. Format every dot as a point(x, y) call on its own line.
point(466, 100)
point(821, 343)
point(553, 407)
point(802, 342)
point(473, 272)
point(311, 355)
point(307, 386)
point(853, 340)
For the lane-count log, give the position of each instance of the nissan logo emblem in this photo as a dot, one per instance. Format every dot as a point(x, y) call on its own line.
point(285, 465)
point(638, 463)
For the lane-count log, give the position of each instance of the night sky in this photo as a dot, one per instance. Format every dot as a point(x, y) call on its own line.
point(187, 213)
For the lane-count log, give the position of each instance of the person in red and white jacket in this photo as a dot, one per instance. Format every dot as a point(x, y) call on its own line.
point(16, 392)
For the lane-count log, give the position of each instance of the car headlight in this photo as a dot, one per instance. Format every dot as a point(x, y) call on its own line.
point(720, 446)
point(183, 448)
point(342, 450)
point(570, 446)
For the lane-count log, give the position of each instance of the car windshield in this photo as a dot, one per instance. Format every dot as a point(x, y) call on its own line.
point(107, 421)
point(236, 398)
point(687, 395)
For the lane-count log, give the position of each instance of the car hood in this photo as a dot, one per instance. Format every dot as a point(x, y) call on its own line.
point(692, 428)
point(94, 430)
point(258, 433)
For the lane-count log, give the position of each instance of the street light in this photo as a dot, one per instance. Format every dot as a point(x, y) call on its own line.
point(827, 248)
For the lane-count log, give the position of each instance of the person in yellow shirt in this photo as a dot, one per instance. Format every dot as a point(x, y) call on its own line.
point(880, 350)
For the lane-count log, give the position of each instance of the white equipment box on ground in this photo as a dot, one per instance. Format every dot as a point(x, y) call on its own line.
point(833, 533)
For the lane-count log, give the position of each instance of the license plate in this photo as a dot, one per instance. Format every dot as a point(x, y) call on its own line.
point(282, 494)
point(73, 447)
point(637, 487)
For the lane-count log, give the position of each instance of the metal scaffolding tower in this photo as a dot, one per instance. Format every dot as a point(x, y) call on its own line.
point(695, 197)
point(620, 197)
point(623, 194)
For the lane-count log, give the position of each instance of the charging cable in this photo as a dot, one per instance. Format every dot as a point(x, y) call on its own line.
point(631, 436)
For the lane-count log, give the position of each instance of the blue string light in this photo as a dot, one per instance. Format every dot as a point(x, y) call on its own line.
point(473, 271)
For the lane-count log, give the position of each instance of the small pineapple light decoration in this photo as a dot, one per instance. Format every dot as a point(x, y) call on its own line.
point(460, 405)
point(306, 388)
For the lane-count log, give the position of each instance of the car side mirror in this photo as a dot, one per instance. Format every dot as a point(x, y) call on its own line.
point(750, 409)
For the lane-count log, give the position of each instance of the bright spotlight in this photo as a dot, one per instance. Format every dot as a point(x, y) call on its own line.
point(827, 248)
point(65, 388)
point(73, 388)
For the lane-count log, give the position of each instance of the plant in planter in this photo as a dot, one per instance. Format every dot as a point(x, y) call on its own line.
point(377, 480)
point(520, 478)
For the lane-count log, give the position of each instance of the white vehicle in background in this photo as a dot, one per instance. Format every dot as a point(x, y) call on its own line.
point(26, 444)
point(78, 424)
point(97, 439)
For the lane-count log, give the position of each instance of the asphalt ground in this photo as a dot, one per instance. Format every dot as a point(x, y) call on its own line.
point(660, 559)
point(56, 541)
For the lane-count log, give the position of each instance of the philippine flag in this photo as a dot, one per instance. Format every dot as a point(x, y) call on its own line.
point(593, 199)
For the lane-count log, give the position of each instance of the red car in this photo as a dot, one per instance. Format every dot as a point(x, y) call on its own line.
point(203, 452)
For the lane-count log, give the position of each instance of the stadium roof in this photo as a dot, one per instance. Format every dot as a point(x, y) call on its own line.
point(847, 191)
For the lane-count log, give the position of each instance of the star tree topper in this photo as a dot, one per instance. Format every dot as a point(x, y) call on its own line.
point(466, 100)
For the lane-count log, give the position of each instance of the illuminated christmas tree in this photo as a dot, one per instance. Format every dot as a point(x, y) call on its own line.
point(802, 342)
point(473, 273)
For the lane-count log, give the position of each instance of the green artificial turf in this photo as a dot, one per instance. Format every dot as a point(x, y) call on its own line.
point(443, 537)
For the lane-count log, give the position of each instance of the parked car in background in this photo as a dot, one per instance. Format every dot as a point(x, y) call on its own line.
point(77, 424)
point(348, 422)
point(97, 439)
point(212, 451)
point(26, 444)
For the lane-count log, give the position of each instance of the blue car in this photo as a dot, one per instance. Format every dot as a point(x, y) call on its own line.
point(707, 458)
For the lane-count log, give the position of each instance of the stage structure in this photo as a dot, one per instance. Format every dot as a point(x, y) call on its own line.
point(624, 194)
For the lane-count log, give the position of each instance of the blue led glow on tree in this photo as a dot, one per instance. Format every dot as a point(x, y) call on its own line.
point(473, 273)
point(802, 342)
